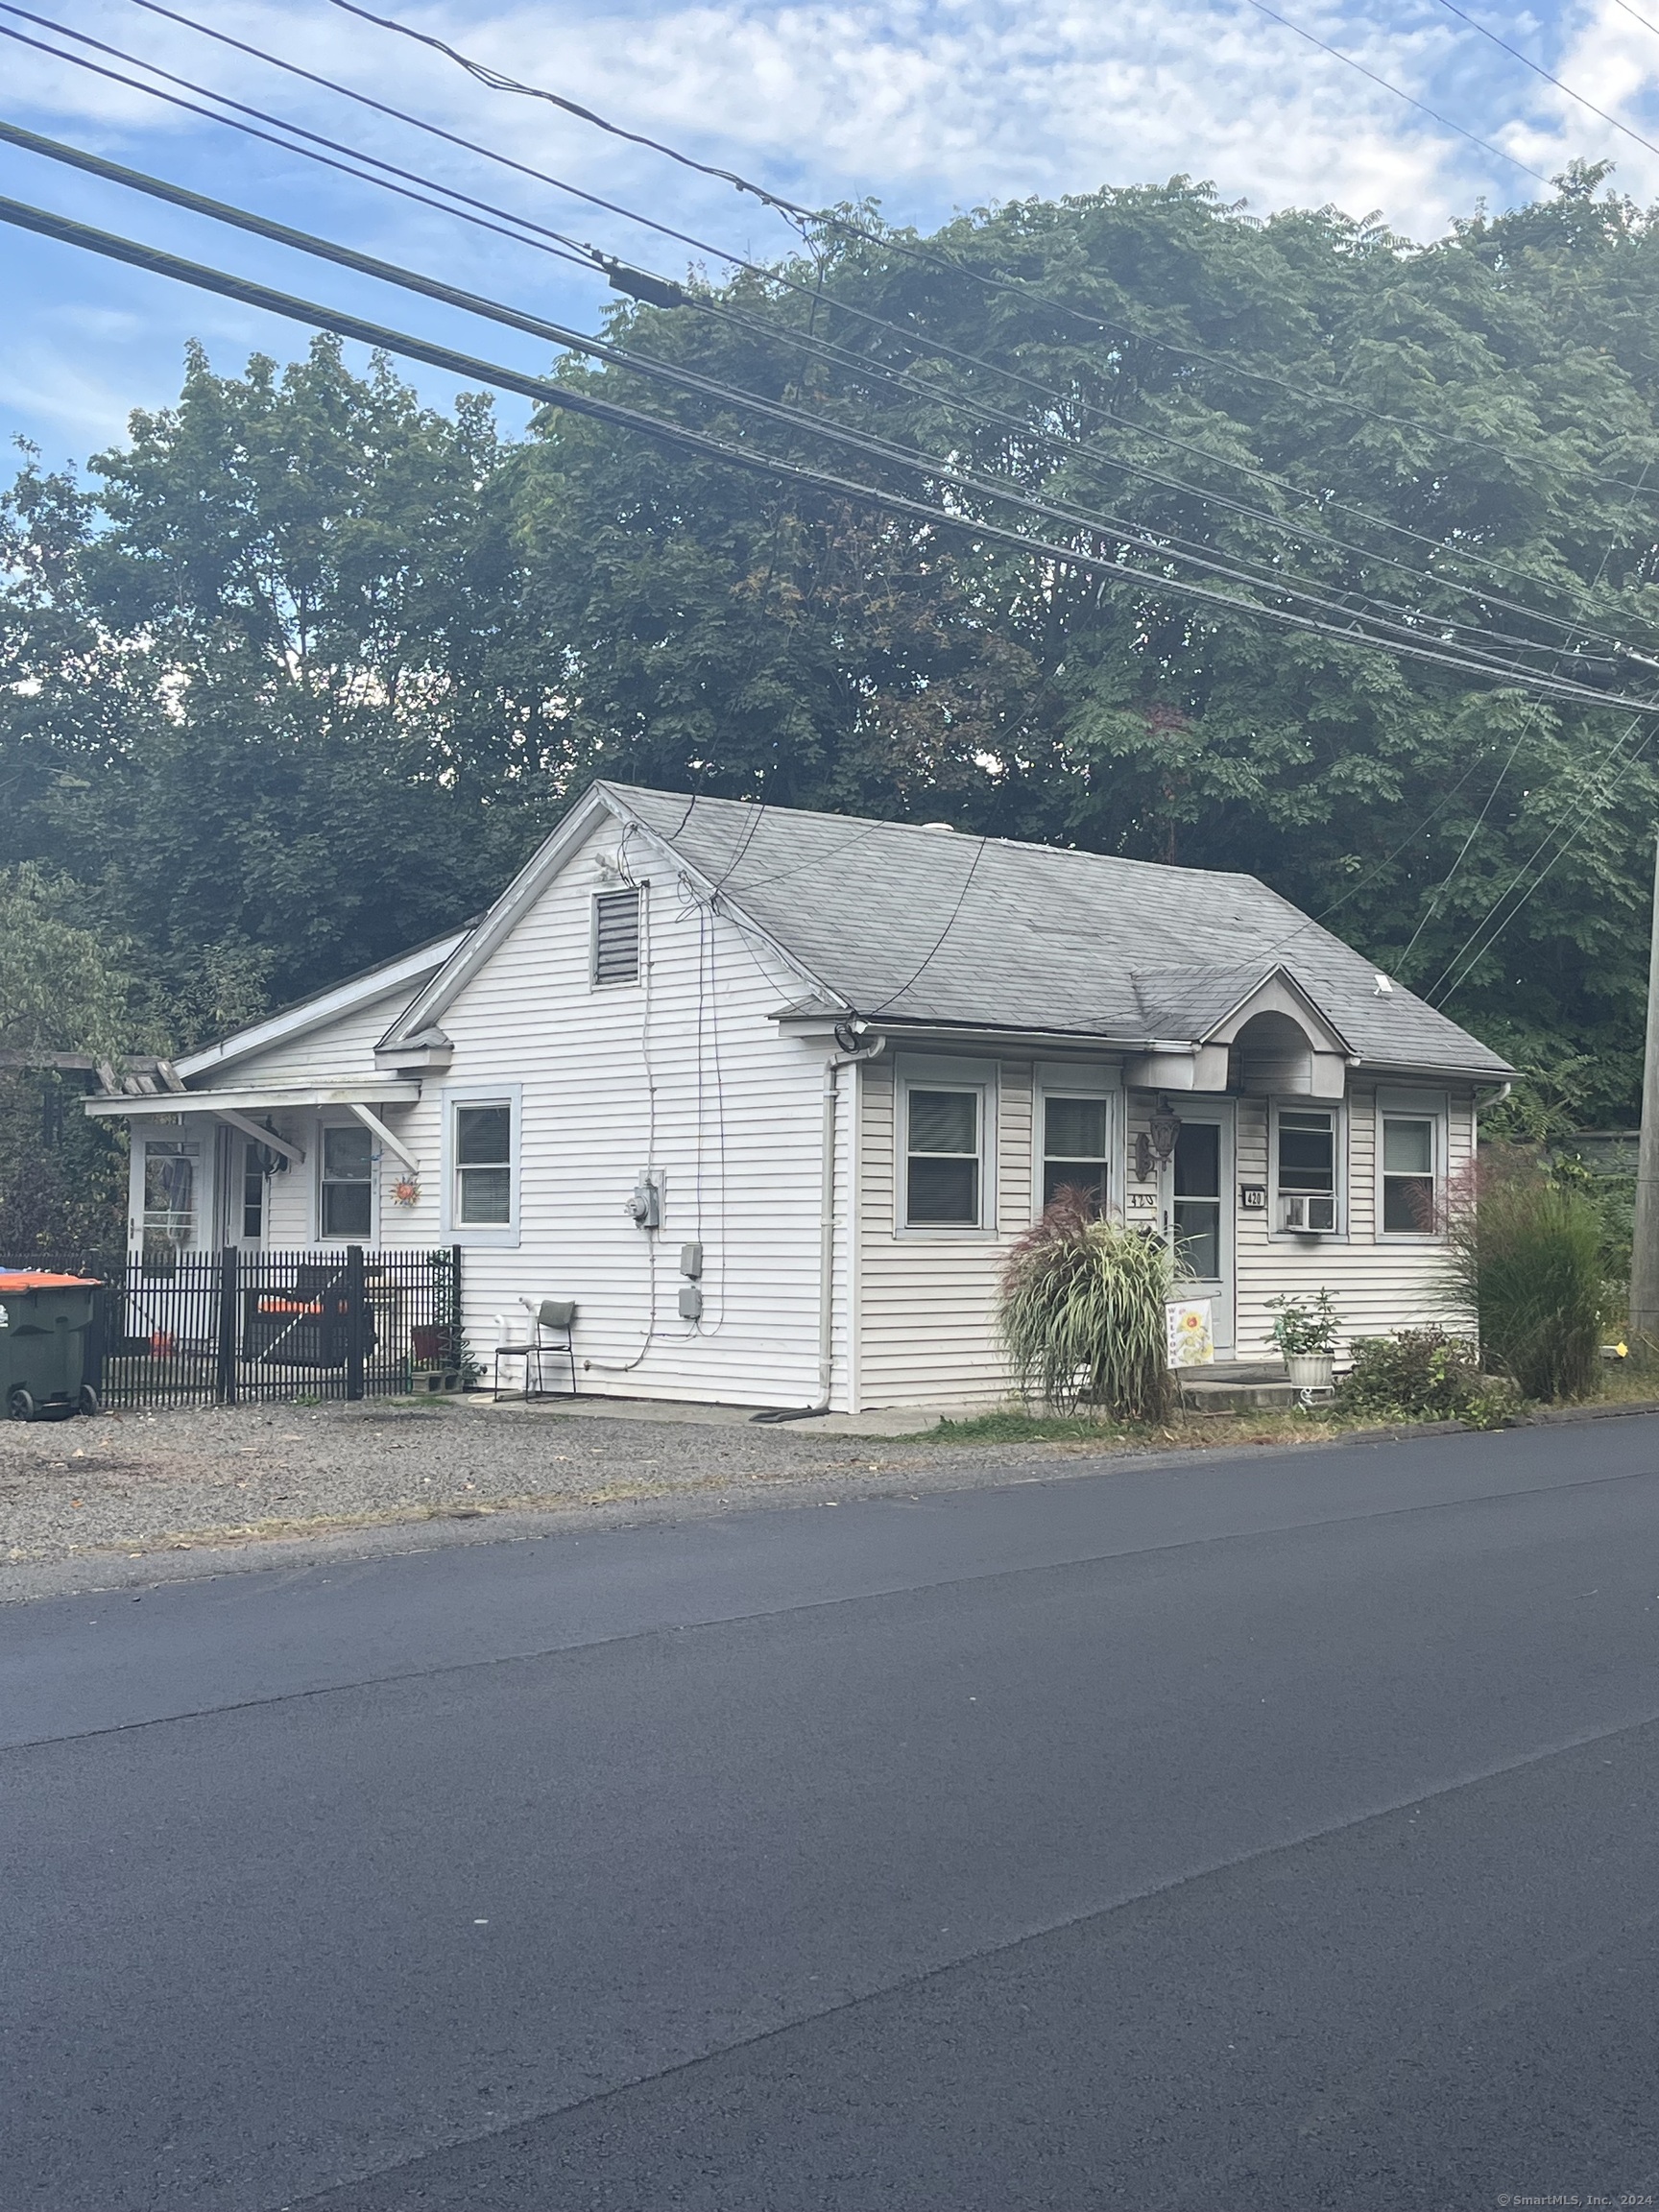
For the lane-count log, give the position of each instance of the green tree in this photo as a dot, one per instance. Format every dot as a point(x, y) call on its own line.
point(305, 668)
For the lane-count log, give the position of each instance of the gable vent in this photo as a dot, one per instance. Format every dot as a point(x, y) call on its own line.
point(617, 937)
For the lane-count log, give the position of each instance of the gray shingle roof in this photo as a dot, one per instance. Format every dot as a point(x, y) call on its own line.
point(921, 926)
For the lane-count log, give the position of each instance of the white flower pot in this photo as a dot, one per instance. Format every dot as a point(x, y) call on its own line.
point(1312, 1370)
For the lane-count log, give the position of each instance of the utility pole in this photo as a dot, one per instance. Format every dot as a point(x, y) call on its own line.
point(1645, 1254)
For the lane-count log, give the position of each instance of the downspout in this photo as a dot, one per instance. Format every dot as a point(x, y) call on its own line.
point(831, 1092)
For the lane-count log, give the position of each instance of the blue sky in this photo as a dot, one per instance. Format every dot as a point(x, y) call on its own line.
point(926, 104)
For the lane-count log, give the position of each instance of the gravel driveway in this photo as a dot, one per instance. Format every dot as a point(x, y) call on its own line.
point(136, 1483)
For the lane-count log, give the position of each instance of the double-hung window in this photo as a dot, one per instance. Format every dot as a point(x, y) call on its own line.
point(1407, 1147)
point(483, 1146)
point(347, 1185)
point(1074, 1149)
point(1305, 1171)
point(944, 1167)
point(484, 1166)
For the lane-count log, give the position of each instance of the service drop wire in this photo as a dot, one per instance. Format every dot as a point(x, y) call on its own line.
point(667, 432)
point(930, 466)
point(995, 280)
point(657, 290)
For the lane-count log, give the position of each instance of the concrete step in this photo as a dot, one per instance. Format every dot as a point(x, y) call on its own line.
point(1202, 1393)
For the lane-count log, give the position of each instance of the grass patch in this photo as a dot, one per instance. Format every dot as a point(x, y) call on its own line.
point(1007, 1427)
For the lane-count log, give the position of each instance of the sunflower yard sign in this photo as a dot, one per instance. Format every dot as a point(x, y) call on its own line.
point(1192, 1339)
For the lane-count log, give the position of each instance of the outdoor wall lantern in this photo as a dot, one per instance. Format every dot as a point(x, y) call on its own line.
point(1157, 1142)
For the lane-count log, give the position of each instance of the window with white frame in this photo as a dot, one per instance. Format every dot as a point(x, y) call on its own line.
point(347, 1189)
point(1407, 1143)
point(1305, 1169)
point(1074, 1151)
point(944, 1167)
point(483, 1196)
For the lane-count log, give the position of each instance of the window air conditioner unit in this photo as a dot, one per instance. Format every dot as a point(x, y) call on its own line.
point(1308, 1214)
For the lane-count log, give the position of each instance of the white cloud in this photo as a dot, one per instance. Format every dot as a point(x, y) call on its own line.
point(925, 103)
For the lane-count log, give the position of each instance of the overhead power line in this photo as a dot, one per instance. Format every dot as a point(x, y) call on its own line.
point(1487, 931)
point(702, 443)
point(644, 364)
point(932, 467)
point(499, 83)
point(664, 291)
point(1538, 70)
point(1445, 121)
point(887, 242)
point(668, 292)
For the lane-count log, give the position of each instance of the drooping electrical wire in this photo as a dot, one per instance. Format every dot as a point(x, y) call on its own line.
point(934, 516)
point(837, 219)
point(667, 292)
point(1492, 923)
point(1163, 546)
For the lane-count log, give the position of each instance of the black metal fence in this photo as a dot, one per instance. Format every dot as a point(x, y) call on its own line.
point(212, 1328)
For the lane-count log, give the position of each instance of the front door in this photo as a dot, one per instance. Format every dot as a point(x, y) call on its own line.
point(1198, 1216)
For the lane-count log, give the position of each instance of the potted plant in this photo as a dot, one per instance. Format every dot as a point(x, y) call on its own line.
point(1305, 1331)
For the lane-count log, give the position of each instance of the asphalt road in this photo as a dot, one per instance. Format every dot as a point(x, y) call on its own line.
point(1247, 1837)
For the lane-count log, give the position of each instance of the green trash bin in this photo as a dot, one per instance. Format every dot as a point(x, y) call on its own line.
point(47, 1321)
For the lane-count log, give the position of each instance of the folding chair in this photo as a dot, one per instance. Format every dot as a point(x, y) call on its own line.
point(552, 1330)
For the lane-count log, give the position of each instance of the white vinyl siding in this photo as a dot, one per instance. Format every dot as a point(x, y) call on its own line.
point(926, 1301)
point(1379, 1285)
point(685, 1071)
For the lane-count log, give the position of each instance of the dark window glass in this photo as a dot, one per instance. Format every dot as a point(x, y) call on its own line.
point(1198, 1238)
point(1408, 1177)
point(1307, 1152)
point(945, 1191)
point(1074, 1149)
point(348, 1192)
point(484, 1163)
point(1198, 1159)
point(253, 1195)
point(1197, 1208)
point(942, 1186)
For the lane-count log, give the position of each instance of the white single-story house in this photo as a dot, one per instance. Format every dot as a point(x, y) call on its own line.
point(770, 1093)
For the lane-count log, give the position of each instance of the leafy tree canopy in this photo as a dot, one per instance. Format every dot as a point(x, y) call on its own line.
point(305, 667)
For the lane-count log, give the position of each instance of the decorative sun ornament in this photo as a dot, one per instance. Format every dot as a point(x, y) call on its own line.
point(407, 1192)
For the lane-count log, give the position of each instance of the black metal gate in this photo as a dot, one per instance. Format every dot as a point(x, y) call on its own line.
point(210, 1329)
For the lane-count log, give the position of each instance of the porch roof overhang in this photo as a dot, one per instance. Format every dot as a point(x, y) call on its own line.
point(260, 1098)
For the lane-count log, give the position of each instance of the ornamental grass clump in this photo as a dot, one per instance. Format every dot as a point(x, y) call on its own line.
point(1081, 1309)
point(1526, 1258)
